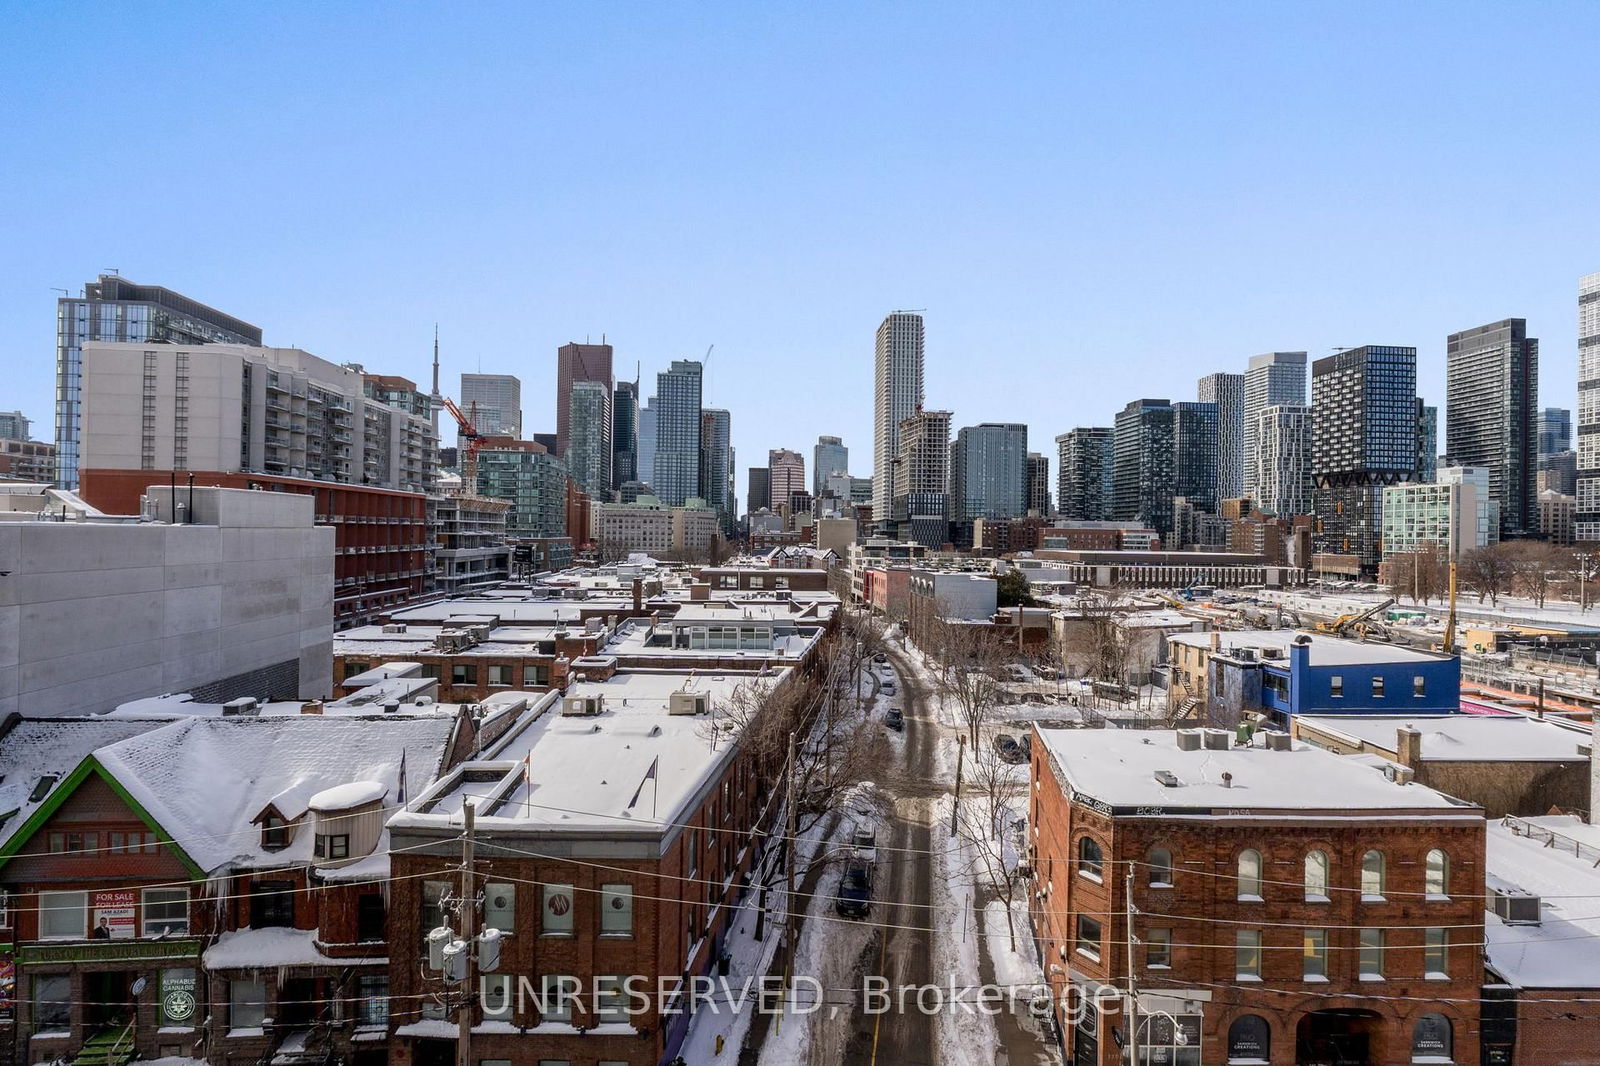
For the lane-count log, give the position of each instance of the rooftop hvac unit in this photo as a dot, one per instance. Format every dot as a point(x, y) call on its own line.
point(1515, 907)
point(395, 627)
point(1167, 779)
point(1217, 739)
point(582, 706)
point(1280, 742)
point(682, 702)
point(244, 707)
point(1188, 740)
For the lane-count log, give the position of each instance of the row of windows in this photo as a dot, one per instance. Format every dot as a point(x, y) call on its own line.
point(1249, 878)
point(113, 915)
point(557, 908)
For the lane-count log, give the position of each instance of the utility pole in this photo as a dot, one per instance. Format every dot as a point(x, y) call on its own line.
point(469, 914)
point(961, 751)
point(1133, 992)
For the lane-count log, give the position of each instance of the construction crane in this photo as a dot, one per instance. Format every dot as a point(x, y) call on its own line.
point(1355, 620)
point(1449, 644)
point(474, 439)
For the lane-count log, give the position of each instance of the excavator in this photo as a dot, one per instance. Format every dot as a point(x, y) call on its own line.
point(1357, 623)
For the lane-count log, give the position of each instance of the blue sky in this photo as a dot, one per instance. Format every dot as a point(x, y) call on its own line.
point(1092, 203)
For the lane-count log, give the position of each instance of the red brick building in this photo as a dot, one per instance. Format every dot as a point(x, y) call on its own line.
point(1288, 905)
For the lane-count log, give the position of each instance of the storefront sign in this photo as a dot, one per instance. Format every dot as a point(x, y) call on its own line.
point(178, 1001)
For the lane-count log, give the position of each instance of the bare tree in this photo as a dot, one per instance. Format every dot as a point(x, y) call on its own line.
point(973, 661)
point(1486, 571)
point(986, 822)
point(1533, 565)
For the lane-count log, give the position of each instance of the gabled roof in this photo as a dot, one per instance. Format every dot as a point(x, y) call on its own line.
point(37, 754)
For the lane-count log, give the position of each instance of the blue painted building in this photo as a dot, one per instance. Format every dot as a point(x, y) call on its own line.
point(1283, 673)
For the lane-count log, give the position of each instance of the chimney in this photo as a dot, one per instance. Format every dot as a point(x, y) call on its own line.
point(311, 707)
point(699, 591)
point(1408, 747)
point(1216, 641)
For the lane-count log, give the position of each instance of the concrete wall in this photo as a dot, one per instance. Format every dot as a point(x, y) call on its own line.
point(92, 615)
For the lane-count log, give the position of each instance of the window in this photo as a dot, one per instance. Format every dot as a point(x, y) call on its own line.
point(616, 910)
point(500, 907)
point(1088, 937)
point(1159, 862)
point(610, 1001)
point(177, 1004)
point(332, 846)
point(1247, 954)
point(1316, 877)
point(130, 843)
point(272, 904)
point(352, 668)
point(434, 894)
point(463, 674)
point(63, 915)
point(1314, 961)
point(1377, 688)
point(692, 851)
point(247, 1004)
point(1336, 687)
point(274, 833)
point(1436, 954)
point(166, 911)
point(1372, 875)
point(74, 843)
point(1431, 1039)
point(1371, 961)
point(52, 1002)
point(372, 1004)
point(371, 914)
point(1158, 949)
point(1089, 858)
point(495, 989)
point(1249, 887)
point(1436, 877)
point(500, 674)
point(557, 993)
point(535, 676)
point(557, 910)
point(1419, 686)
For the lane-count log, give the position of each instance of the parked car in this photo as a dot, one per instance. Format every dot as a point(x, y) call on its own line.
point(895, 719)
point(1026, 742)
point(854, 897)
point(1006, 746)
point(889, 689)
point(864, 842)
point(880, 658)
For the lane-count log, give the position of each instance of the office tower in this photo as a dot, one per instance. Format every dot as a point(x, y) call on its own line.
point(716, 467)
point(1363, 437)
point(1586, 521)
point(1492, 412)
point(676, 477)
point(1279, 465)
point(1142, 458)
point(533, 481)
point(897, 384)
point(1084, 474)
point(786, 475)
point(115, 309)
point(575, 363)
point(1427, 441)
point(14, 425)
point(1196, 453)
point(588, 455)
point(989, 471)
point(624, 433)
point(494, 404)
point(647, 440)
point(829, 457)
point(1270, 380)
point(1227, 392)
point(759, 494)
point(1555, 430)
point(921, 504)
point(1038, 495)
point(1558, 472)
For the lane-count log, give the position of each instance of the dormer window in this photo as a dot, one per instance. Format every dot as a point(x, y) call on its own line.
point(332, 846)
point(274, 833)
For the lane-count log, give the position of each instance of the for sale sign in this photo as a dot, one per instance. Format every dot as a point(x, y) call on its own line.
point(113, 915)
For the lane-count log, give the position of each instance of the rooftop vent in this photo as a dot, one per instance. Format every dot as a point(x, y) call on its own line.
point(1515, 907)
point(1167, 779)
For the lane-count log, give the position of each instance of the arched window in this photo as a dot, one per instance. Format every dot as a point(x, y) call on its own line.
point(1250, 1039)
point(1250, 874)
point(1436, 884)
point(1089, 857)
point(1431, 1039)
point(1159, 864)
point(1372, 875)
point(1317, 876)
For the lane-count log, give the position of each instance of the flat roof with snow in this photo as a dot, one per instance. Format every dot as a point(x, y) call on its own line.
point(1554, 858)
point(1461, 737)
point(1118, 768)
point(1325, 650)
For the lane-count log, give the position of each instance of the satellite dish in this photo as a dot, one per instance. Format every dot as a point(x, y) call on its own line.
point(139, 986)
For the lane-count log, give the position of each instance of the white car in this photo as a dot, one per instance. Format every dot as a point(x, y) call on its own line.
point(864, 842)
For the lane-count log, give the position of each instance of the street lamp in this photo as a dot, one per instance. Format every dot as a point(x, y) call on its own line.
point(1584, 559)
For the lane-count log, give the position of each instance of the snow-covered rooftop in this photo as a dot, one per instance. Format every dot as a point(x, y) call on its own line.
point(1119, 767)
point(1325, 650)
point(1537, 856)
point(37, 753)
point(1461, 737)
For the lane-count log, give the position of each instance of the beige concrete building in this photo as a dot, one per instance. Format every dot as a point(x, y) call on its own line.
point(651, 527)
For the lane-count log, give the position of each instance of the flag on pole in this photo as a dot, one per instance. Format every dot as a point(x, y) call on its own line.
point(649, 775)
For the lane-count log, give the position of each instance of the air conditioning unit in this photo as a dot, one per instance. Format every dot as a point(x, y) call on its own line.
point(1514, 907)
point(1188, 740)
point(395, 627)
point(582, 706)
point(243, 707)
point(1217, 739)
point(1279, 742)
point(683, 702)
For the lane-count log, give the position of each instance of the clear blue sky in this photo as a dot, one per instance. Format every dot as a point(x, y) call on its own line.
point(1092, 203)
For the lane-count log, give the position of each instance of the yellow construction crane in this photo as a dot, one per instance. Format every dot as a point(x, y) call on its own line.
point(1448, 647)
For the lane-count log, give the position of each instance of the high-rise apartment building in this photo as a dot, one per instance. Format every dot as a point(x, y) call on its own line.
point(588, 454)
point(1554, 430)
point(716, 467)
point(897, 385)
point(921, 504)
point(1143, 465)
point(575, 363)
point(1084, 474)
point(759, 492)
point(647, 440)
point(828, 457)
point(1270, 380)
point(494, 403)
point(676, 477)
point(989, 471)
point(1196, 454)
point(531, 480)
point(1279, 462)
point(1363, 438)
point(1586, 520)
point(1038, 494)
point(1227, 392)
point(624, 434)
point(1492, 413)
point(1427, 441)
point(14, 425)
point(786, 472)
point(115, 309)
